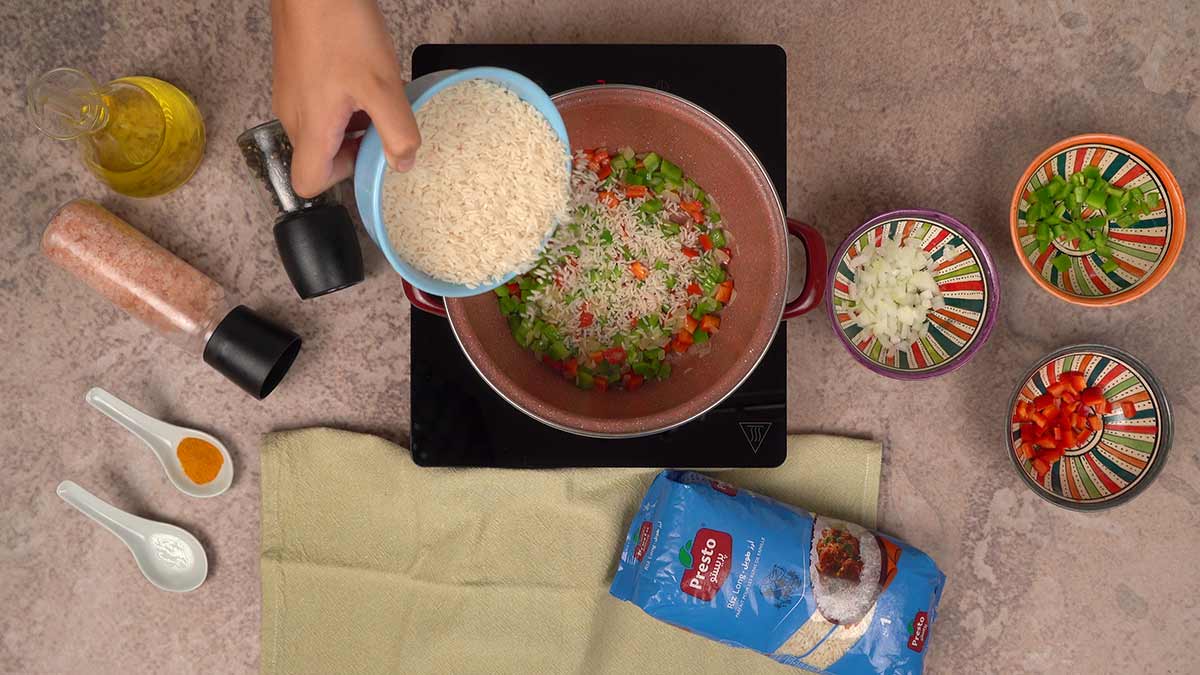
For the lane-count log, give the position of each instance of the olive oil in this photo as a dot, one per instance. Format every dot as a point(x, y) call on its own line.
point(140, 135)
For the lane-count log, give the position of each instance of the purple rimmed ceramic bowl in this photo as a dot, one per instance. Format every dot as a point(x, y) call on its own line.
point(966, 279)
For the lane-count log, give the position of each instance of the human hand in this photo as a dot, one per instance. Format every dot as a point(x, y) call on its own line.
point(332, 59)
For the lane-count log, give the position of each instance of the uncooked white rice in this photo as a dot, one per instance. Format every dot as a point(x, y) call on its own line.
point(843, 600)
point(489, 183)
point(614, 299)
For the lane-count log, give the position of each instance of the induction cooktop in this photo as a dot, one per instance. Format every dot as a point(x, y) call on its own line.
point(458, 420)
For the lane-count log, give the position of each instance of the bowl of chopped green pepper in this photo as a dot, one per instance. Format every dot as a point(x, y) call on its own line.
point(1097, 220)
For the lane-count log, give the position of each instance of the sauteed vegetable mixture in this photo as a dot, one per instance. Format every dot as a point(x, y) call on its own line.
point(637, 274)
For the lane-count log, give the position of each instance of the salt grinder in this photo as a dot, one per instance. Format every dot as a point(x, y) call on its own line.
point(315, 236)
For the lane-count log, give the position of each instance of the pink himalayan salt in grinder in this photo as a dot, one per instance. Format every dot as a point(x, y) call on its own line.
point(178, 301)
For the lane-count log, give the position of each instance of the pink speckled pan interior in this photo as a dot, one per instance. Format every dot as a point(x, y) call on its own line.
point(644, 119)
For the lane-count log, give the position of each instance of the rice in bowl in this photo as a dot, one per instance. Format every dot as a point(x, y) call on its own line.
point(489, 184)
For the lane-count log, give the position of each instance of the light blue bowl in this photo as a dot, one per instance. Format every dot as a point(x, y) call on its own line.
point(370, 166)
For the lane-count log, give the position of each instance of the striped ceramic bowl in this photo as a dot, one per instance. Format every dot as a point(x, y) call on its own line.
point(965, 276)
point(1144, 251)
point(1115, 463)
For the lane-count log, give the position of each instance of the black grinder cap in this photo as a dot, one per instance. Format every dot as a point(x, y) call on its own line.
point(319, 250)
point(251, 350)
point(315, 235)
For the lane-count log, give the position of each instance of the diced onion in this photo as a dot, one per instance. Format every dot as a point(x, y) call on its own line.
point(893, 292)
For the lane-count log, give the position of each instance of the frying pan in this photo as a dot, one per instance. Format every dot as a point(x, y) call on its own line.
point(715, 157)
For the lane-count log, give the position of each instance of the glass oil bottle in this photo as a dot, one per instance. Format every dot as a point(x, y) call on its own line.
point(142, 136)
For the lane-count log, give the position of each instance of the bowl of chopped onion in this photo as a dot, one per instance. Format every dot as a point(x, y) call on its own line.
point(1097, 220)
point(912, 294)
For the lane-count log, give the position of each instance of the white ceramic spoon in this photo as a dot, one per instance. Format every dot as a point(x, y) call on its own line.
point(163, 439)
point(169, 557)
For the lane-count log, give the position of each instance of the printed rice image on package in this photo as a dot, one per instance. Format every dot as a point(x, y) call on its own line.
point(808, 591)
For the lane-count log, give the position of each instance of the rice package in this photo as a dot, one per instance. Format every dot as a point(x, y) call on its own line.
point(808, 591)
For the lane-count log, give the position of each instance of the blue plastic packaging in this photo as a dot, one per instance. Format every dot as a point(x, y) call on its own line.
point(735, 567)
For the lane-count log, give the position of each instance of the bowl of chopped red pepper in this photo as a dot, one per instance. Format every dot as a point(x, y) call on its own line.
point(1097, 220)
point(1089, 427)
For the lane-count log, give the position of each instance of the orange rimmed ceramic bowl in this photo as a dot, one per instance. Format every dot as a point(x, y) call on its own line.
point(1144, 251)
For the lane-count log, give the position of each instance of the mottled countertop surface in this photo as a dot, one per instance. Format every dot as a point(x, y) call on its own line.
point(891, 105)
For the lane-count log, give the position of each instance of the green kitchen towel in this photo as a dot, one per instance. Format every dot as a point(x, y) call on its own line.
point(371, 564)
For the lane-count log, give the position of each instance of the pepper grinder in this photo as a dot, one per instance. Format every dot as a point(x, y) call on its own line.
point(315, 237)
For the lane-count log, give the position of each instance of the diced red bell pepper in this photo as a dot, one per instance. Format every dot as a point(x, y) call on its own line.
point(1023, 411)
point(586, 318)
point(689, 251)
point(1057, 432)
point(694, 209)
point(600, 384)
point(1091, 396)
point(615, 355)
point(633, 191)
point(1038, 419)
point(601, 155)
point(553, 363)
point(1069, 396)
point(724, 291)
point(571, 367)
point(694, 289)
point(684, 337)
point(609, 199)
point(593, 166)
point(690, 324)
point(710, 323)
point(1046, 441)
point(632, 381)
point(639, 270)
point(604, 172)
point(513, 288)
point(1025, 451)
point(705, 242)
point(1128, 410)
point(1075, 380)
point(1043, 402)
point(1041, 468)
point(1056, 390)
point(1051, 414)
point(1028, 433)
point(1050, 456)
point(1069, 440)
point(596, 356)
point(1095, 423)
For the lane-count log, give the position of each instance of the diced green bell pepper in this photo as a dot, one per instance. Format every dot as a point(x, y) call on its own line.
point(671, 171)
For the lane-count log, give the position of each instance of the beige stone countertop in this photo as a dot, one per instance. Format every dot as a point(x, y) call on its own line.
point(891, 104)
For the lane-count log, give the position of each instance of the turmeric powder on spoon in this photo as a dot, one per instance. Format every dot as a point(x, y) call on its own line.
point(201, 460)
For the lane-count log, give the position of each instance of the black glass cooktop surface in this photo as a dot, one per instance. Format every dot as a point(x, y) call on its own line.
point(458, 420)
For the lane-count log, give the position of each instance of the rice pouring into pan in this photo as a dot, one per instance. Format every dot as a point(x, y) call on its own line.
point(489, 184)
point(808, 591)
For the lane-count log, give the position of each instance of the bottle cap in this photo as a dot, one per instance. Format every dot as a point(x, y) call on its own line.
point(251, 350)
point(320, 250)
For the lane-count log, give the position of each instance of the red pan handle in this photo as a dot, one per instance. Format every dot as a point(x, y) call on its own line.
point(816, 268)
point(425, 301)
